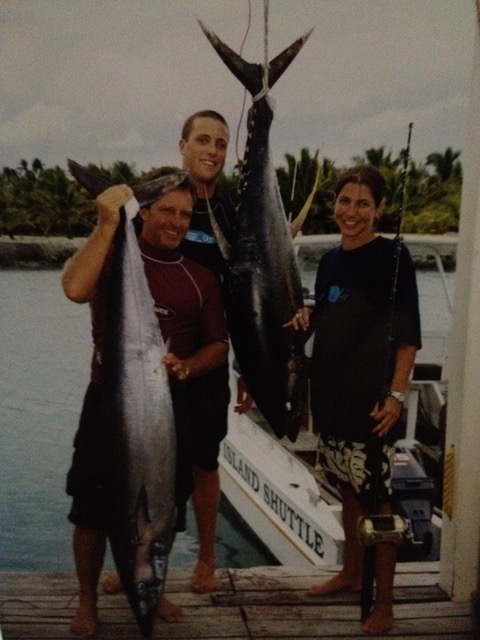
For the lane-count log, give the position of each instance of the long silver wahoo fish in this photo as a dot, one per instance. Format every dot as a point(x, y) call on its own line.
point(140, 416)
point(264, 288)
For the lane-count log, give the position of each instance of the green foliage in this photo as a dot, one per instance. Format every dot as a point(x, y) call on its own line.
point(35, 200)
point(433, 190)
point(296, 183)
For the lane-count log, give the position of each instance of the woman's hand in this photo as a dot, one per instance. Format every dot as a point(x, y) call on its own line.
point(301, 320)
point(386, 415)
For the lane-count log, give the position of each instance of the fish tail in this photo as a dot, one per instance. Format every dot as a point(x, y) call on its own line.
point(251, 74)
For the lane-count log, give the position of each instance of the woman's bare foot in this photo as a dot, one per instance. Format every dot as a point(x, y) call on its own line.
point(203, 580)
point(340, 582)
point(168, 610)
point(111, 583)
point(380, 620)
point(84, 623)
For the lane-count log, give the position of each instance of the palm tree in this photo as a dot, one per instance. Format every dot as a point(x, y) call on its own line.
point(296, 183)
point(37, 166)
point(15, 188)
point(446, 164)
point(60, 206)
point(379, 159)
point(119, 173)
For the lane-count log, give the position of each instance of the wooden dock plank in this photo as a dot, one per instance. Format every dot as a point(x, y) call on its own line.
point(267, 603)
point(343, 621)
point(252, 579)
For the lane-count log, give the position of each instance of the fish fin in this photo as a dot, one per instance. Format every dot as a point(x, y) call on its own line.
point(145, 193)
point(296, 224)
point(251, 74)
point(142, 518)
point(89, 180)
point(279, 64)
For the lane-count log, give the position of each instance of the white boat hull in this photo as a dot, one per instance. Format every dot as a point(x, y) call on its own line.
point(278, 497)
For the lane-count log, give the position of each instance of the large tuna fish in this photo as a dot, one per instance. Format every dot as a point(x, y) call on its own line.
point(140, 415)
point(264, 287)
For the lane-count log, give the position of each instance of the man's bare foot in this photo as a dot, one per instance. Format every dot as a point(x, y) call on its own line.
point(169, 611)
point(84, 622)
point(111, 583)
point(203, 580)
point(380, 620)
point(337, 584)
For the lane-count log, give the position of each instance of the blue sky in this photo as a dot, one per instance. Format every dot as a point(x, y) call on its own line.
point(110, 80)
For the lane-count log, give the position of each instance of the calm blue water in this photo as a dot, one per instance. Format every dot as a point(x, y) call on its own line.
point(45, 350)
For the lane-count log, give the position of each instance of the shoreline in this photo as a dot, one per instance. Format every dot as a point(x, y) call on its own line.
point(30, 252)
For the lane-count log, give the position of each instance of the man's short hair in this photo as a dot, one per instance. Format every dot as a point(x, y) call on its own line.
point(186, 184)
point(206, 113)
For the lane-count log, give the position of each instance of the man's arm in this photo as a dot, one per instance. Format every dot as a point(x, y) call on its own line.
point(83, 270)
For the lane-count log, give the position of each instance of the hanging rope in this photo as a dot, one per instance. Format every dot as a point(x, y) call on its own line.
point(237, 136)
point(265, 87)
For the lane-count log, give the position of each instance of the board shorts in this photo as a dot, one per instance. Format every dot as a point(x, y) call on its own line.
point(209, 396)
point(348, 466)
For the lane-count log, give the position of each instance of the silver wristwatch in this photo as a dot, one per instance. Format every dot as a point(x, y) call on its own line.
point(398, 395)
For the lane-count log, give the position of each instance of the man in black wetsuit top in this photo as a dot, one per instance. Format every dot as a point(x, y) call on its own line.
point(203, 145)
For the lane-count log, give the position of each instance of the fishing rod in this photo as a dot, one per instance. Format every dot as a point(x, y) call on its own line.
point(376, 529)
point(396, 259)
point(398, 237)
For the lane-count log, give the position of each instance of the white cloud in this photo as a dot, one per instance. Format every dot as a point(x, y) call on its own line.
point(36, 124)
point(132, 141)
